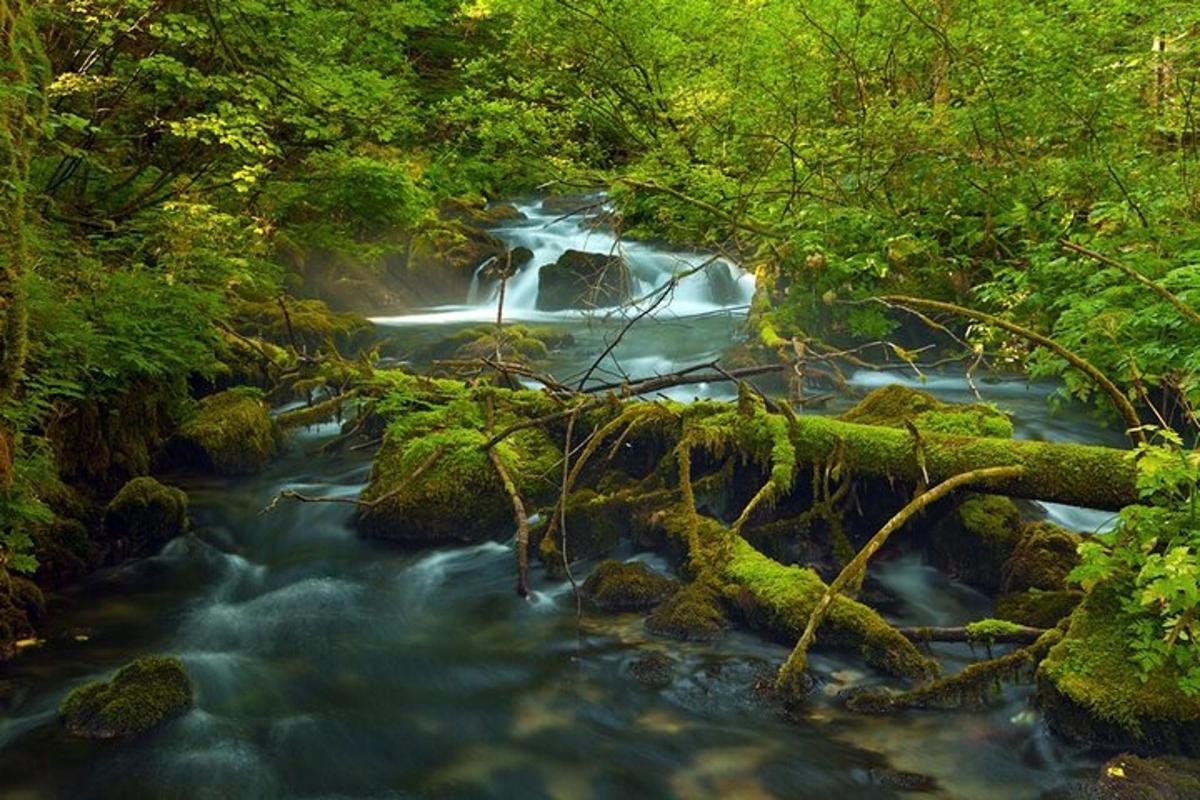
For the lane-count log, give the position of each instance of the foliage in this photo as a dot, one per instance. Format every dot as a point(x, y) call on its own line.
point(1152, 559)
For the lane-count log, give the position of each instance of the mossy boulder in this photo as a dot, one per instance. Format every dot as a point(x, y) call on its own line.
point(1042, 559)
point(229, 433)
point(518, 343)
point(897, 406)
point(476, 210)
point(1129, 777)
point(653, 670)
point(1091, 692)
point(1036, 608)
point(64, 550)
point(975, 541)
point(140, 697)
point(626, 586)
point(144, 514)
point(314, 327)
point(583, 280)
point(693, 614)
point(439, 429)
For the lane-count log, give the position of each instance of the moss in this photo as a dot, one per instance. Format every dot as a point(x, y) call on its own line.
point(974, 542)
point(987, 630)
point(313, 325)
point(144, 514)
point(782, 598)
point(440, 428)
point(1042, 559)
point(7, 449)
point(1091, 692)
point(694, 613)
point(230, 433)
point(517, 343)
point(1036, 608)
point(21, 605)
point(64, 551)
point(626, 586)
point(653, 670)
point(895, 405)
point(141, 696)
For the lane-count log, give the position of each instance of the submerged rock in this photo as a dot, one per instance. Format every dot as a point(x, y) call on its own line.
point(583, 280)
point(1090, 691)
point(653, 670)
point(141, 696)
point(626, 586)
point(230, 433)
point(144, 515)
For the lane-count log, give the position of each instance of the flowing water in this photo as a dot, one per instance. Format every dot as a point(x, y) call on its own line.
point(328, 666)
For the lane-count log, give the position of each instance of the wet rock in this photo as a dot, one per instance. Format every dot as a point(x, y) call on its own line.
point(562, 204)
point(21, 605)
point(723, 287)
point(144, 515)
point(1128, 777)
point(1090, 692)
point(1036, 608)
point(901, 781)
point(476, 210)
point(653, 670)
point(626, 586)
point(230, 433)
point(140, 697)
point(694, 613)
point(1042, 559)
point(975, 541)
point(583, 280)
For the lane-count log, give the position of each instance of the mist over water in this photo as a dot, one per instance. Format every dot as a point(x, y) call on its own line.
point(329, 666)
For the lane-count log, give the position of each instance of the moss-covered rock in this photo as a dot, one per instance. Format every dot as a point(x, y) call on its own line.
point(1042, 559)
point(141, 696)
point(313, 326)
point(1090, 691)
point(653, 670)
point(1129, 777)
point(517, 343)
point(1036, 608)
point(64, 551)
point(144, 515)
point(693, 614)
point(440, 429)
point(230, 433)
point(975, 541)
point(626, 586)
point(894, 406)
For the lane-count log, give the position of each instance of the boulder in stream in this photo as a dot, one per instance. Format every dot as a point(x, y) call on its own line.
point(140, 697)
point(230, 433)
point(144, 515)
point(583, 280)
point(626, 586)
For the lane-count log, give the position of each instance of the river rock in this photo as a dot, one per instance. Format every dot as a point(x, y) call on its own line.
point(723, 287)
point(140, 697)
point(583, 280)
point(144, 515)
point(626, 586)
point(562, 204)
point(229, 433)
point(1129, 777)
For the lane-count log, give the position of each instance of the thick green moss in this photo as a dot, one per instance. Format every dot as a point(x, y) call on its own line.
point(1042, 559)
point(894, 406)
point(694, 613)
point(141, 696)
point(1091, 692)
point(143, 515)
point(21, 605)
point(976, 540)
point(313, 325)
point(1036, 608)
point(440, 428)
point(230, 433)
point(986, 630)
point(1128, 777)
point(517, 343)
point(626, 586)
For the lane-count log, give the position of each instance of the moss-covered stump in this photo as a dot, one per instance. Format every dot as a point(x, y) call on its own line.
point(975, 541)
point(692, 614)
point(433, 480)
point(144, 515)
point(1090, 691)
point(1042, 559)
point(1037, 609)
point(21, 605)
point(309, 325)
point(229, 433)
point(141, 696)
point(626, 586)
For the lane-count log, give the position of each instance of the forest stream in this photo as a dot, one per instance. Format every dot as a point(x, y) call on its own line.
point(329, 665)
